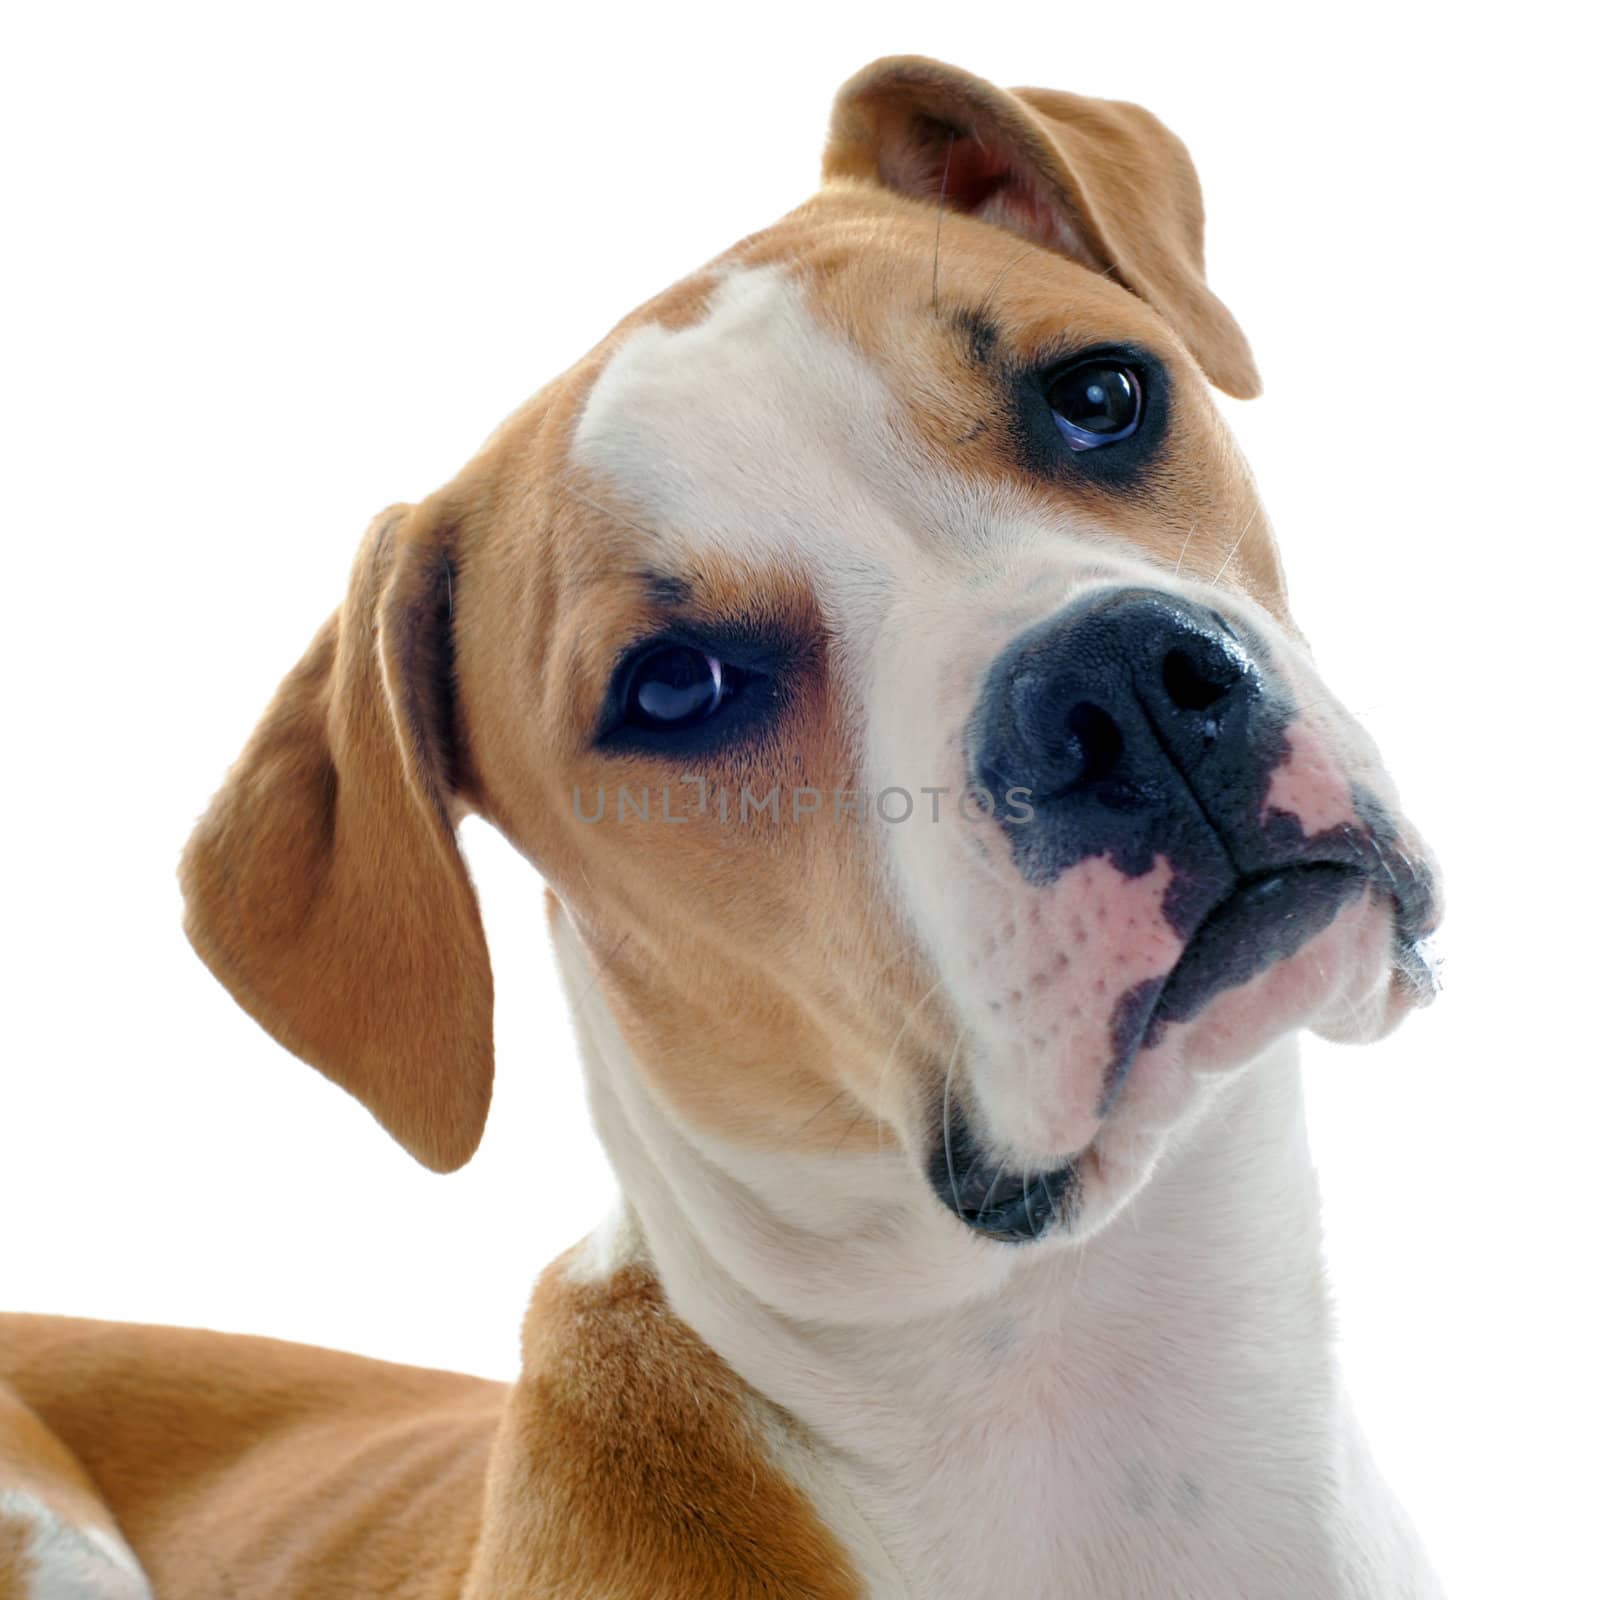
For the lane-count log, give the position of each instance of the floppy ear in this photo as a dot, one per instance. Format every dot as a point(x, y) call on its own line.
point(324, 886)
point(1098, 180)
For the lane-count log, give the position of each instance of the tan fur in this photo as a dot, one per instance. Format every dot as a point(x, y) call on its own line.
point(1099, 177)
point(610, 1378)
point(17, 1566)
point(324, 885)
point(247, 1467)
point(35, 1463)
point(463, 673)
point(1202, 506)
point(33, 1460)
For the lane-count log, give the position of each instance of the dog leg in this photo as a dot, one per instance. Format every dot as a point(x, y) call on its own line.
point(58, 1539)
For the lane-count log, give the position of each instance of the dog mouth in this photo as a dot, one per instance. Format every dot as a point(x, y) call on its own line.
point(1263, 920)
point(995, 1200)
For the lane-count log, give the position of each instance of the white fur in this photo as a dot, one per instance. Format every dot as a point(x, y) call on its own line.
point(71, 1562)
point(757, 434)
point(1151, 1411)
point(1155, 1412)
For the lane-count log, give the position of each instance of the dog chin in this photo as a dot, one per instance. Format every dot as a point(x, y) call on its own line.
point(1345, 982)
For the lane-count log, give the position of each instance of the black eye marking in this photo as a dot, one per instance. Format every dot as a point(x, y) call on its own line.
point(1091, 417)
point(978, 332)
point(698, 689)
point(677, 686)
point(1096, 403)
point(662, 589)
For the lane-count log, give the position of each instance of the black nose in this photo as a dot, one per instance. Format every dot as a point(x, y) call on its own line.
point(1133, 723)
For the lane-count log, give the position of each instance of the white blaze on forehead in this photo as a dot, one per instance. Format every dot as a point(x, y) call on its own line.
point(752, 433)
point(758, 434)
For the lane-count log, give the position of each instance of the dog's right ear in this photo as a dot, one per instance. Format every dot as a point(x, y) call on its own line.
point(1099, 181)
point(324, 886)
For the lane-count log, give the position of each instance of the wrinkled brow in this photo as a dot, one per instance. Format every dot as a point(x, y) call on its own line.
point(978, 333)
point(666, 588)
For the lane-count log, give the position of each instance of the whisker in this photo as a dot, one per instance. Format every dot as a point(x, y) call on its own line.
point(1249, 523)
point(949, 1155)
point(832, 1100)
point(888, 1060)
point(607, 511)
point(1027, 1202)
point(903, 958)
point(938, 220)
point(986, 303)
point(599, 971)
point(999, 1173)
point(1177, 569)
point(850, 1127)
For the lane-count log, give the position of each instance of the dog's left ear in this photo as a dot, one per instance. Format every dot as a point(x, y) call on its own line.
point(324, 886)
point(1098, 180)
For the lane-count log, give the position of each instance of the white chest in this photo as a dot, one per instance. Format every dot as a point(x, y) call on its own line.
point(1008, 1459)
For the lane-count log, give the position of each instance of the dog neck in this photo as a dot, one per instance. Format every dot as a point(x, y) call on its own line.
point(1156, 1410)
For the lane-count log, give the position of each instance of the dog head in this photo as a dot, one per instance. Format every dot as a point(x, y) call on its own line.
point(878, 646)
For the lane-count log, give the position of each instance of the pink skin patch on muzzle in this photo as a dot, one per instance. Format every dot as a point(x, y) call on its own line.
point(1309, 786)
point(1049, 979)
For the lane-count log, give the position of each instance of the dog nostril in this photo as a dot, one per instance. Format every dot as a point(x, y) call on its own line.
point(1193, 685)
point(1094, 739)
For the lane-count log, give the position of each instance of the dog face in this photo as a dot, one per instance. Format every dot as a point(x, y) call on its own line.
point(878, 646)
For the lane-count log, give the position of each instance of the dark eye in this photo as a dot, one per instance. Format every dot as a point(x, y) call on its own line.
point(1095, 403)
point(676, 686)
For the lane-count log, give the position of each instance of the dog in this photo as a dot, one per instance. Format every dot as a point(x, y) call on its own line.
point(877, 645)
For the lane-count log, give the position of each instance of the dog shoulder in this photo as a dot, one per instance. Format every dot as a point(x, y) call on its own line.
point(633, 1463)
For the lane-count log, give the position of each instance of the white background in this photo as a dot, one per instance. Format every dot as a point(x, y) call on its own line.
point(269, 270)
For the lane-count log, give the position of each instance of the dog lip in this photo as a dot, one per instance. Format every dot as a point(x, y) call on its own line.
point(1264, 918)
point(1017, 1207)
point(1418, 961)
point(1272, 913)
point(992, 1199)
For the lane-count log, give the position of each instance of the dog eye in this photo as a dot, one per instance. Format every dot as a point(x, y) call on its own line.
point(676, 686)
point(1095, 403)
